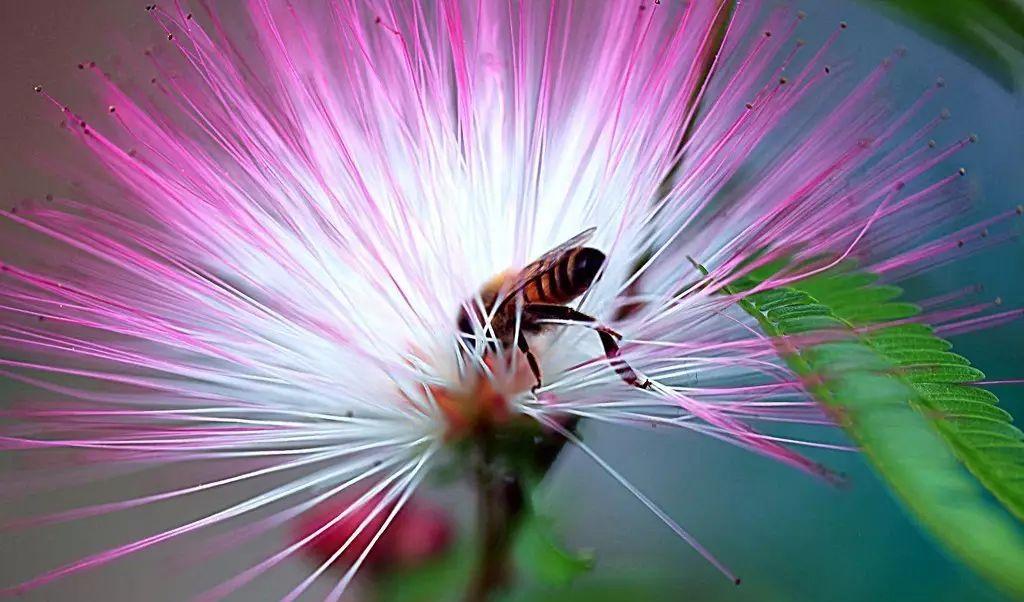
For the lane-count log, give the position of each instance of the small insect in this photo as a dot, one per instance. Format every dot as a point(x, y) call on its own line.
point(542, 289)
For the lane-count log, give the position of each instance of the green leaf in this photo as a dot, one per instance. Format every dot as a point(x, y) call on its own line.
point(539, 556)
point(937, 377)
point(989, 33)
point(906, 399)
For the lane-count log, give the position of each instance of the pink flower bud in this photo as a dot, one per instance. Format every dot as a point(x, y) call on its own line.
point(419, 532)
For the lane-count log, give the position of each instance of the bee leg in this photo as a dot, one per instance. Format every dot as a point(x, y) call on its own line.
point(531, 360)
point(609, 338)
point(623, 369)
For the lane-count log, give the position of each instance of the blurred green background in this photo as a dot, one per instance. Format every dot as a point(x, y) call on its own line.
point(789, 537)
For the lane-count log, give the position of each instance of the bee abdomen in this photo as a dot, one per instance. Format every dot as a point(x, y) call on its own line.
point(568, 277)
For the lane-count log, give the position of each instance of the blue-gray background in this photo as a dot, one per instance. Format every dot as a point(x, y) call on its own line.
point(789, 537)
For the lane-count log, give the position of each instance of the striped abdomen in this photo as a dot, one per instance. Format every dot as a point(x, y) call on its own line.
point(561, 279)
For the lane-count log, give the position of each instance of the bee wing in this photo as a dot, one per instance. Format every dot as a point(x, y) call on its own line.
point(545, 262)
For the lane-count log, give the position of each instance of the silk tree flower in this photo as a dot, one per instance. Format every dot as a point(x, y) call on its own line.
point(276, 235)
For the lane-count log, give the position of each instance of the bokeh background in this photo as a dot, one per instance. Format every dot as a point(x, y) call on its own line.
point(789, 537)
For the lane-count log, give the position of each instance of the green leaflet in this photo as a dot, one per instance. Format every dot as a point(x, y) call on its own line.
point(540, 557)
point(901, 394)
point(937, 376)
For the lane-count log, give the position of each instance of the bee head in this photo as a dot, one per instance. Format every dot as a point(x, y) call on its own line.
point(586, 264)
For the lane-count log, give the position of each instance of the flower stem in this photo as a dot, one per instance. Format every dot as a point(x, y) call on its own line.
point(499, 505)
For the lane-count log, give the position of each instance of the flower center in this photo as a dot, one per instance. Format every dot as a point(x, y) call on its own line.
point(482, 402)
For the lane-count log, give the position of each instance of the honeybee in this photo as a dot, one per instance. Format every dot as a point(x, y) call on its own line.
point(542, 290)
